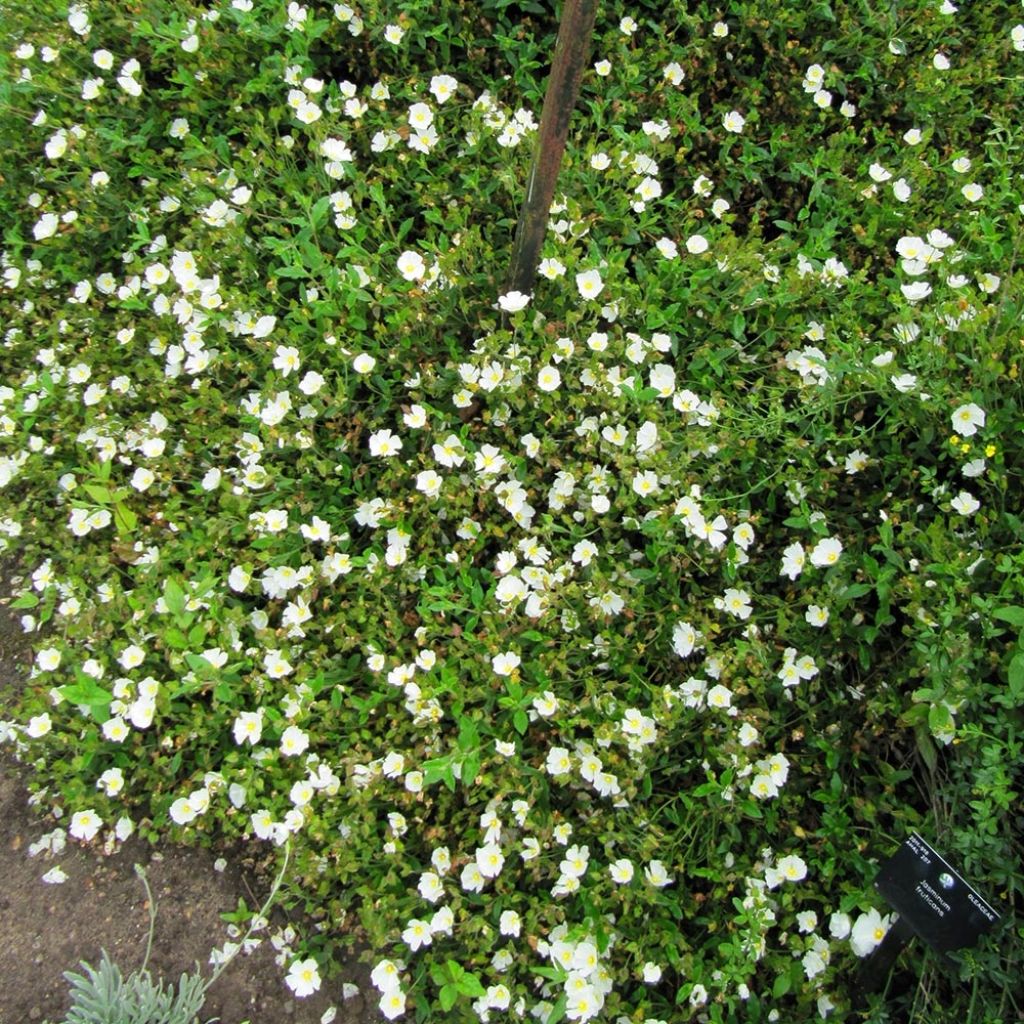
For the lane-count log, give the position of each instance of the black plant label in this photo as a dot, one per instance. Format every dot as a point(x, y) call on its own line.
point(932, 898)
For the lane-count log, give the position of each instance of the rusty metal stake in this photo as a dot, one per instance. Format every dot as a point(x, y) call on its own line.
point(571, 52)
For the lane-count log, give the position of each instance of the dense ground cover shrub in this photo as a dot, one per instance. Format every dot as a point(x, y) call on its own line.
point(590, 648)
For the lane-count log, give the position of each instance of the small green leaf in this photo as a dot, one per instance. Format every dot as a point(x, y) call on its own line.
point(1015, 675)
point(521, 721)
point(470, 985)
point(98, 493)
point(926, 747)
point(86, 691)
point(558, 1012)
point(470, 768)
point(448, 996)
point(434, 770)
point(468, 735)
point(125, 520)
point(174, 597)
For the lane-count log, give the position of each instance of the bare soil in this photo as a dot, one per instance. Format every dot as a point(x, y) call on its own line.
point(47, 929)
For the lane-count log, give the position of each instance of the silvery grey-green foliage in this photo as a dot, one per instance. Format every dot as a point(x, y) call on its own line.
point(102, 995)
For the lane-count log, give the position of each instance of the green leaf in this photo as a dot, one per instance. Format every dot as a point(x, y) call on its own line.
point(27, 600)
point(470, 985)
point(434, 770)
point(174, 597)
point(125, 520)
point(1013, 614)
point(558, 1012)
point(318, 215)
point(926, 747)
point(448, 996)
point(781, 986)
point(86, 691)
point(470, 768)
point(521, 721)
point(98, 493)
point(469, 738)
point(1015, 675)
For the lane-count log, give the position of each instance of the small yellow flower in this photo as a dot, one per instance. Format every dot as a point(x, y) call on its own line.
point(990, 450)
point(954, 440)
point(965, 447)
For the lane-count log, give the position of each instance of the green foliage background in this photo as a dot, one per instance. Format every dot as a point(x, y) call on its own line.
point(912, 720)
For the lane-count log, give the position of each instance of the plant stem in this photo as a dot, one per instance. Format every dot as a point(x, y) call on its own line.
point(221, 967)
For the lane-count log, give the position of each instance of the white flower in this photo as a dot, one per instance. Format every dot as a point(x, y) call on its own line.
point(972, 192)
point(84, 825)
point(411, 266)
point(589, 284)
point(46, 226)
point(38, 726)
point(392, 1003)
point(622, 871)
point(443, 87)
point(967, 419)
point(417, 934)
point(696, 244)
point(506, 663)
point(965, 503)
point(429, 483)
point(668, 249)
point(816, 616)
point(489, 860)
point(142, 478)
point(384, 444)
point(901, 189)
point(652, 973)
point(548, 379)
point(868, 931)
point(735, 602)
point(826, 552)
point(792, 868)
point(48, 659)
point(513, 302)
point(303, 977)
point(657, 875)
point(182, 812)
point(293, 741)
point(248, 727)
point(733, 122)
